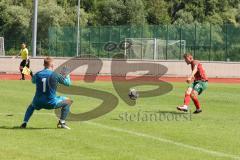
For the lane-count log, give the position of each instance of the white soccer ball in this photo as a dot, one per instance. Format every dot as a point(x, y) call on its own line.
point(133, 94)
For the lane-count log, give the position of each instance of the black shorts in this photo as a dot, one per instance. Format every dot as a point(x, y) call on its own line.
point(25, 63)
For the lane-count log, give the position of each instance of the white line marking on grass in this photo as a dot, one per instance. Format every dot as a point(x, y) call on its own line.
point(214, 153)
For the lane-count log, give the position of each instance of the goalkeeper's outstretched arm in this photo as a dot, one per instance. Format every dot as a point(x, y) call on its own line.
point(66, 81)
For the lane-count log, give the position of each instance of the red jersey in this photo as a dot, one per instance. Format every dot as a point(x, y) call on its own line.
point(200, 75)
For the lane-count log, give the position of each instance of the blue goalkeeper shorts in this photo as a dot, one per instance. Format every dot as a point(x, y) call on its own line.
point(55, 103)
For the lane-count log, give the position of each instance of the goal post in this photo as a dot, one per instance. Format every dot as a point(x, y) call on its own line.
point(140, 48)
point(2, 50)
point(154, 48)
point(174, 48)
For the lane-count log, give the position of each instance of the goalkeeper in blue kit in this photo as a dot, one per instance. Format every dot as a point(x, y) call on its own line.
point(45, 97)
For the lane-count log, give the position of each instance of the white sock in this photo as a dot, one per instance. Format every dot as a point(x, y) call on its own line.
point(62, 121)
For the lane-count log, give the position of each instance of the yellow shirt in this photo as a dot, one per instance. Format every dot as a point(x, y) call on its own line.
point(24, 54)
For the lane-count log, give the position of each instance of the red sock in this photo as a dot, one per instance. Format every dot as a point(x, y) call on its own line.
point(187, 99)
point(196, 102)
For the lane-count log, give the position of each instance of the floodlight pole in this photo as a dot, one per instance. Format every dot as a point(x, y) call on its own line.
point(34, 28)
point(78, 27)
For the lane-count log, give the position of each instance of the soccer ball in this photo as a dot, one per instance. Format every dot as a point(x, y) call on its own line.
point(133, 94)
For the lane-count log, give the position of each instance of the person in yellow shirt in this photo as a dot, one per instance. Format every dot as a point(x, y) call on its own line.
point(25, 60)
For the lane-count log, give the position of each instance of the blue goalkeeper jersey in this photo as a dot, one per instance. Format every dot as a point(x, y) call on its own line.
point(46, 85)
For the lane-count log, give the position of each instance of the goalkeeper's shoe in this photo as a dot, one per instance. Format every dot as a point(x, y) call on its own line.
point(197, 111)
point(183, 108)
point(24, 125)
point(62, 125)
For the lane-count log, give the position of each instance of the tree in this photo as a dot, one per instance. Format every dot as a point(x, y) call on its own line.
point(53, 15)
point(14, 21)
point(184, 18)
point(157, 12)
point(135, 12)
point(110, 12)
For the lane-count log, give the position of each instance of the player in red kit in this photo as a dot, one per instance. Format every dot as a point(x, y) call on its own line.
point(200, 83)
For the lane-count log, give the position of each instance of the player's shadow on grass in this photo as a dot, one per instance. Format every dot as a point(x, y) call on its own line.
point(18, 128)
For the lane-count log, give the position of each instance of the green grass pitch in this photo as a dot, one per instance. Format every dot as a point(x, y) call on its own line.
point(214, 134)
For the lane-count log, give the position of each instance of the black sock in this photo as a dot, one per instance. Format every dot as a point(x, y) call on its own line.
point(22, 74)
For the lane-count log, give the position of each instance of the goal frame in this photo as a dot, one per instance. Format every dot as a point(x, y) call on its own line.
point(156, 44)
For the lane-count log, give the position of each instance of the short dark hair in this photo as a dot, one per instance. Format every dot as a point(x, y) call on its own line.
point(187, 55)
point(47, 61)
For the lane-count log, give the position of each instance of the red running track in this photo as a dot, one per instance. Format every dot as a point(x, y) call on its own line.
point(119, 78)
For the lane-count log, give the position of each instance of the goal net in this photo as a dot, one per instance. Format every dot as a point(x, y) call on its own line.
point(2, 50)
point(153, 48)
